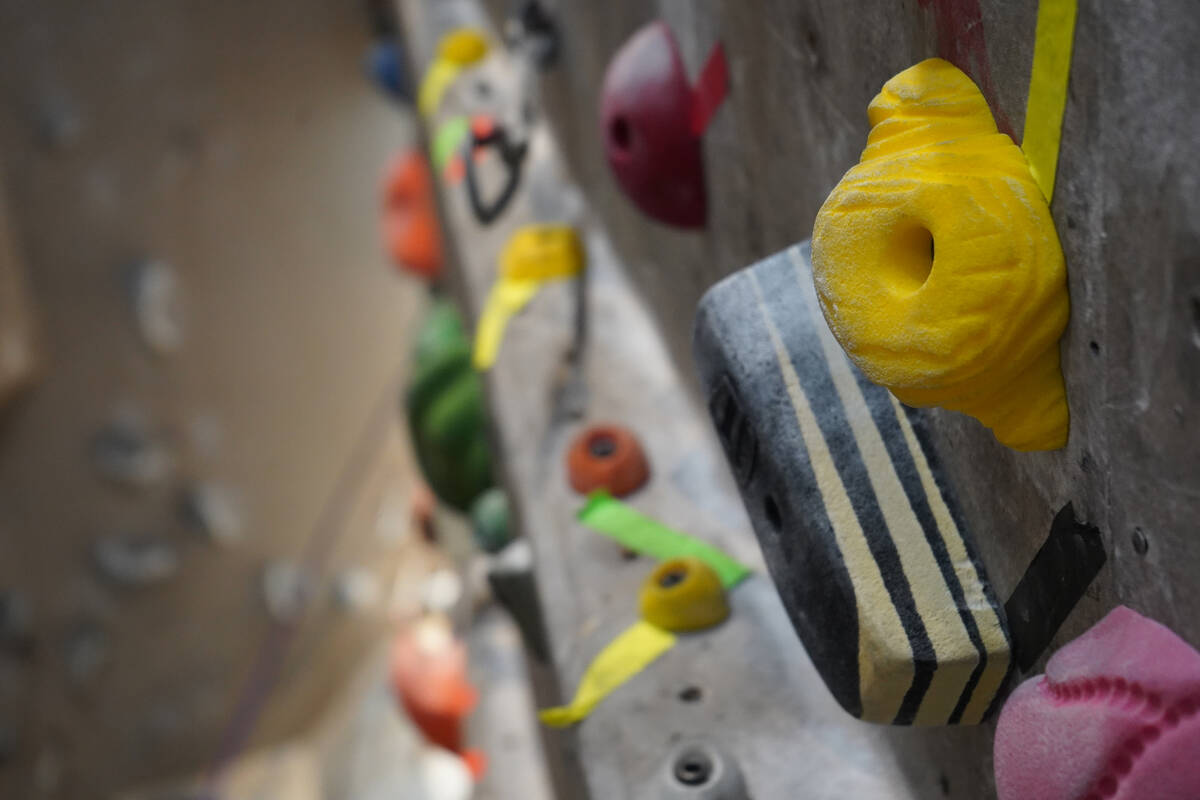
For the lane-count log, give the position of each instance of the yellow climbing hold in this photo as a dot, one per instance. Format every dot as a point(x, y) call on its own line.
point(463, 46)
point(937, 264)
point(533, 255)
point(458, 49)
point(682, 595)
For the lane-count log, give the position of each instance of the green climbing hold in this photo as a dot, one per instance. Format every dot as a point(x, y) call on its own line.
point(490, 520)
point(446, 413)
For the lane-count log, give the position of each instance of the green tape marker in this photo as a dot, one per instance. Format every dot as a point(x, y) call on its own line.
point(650, 537)
point(447, 138)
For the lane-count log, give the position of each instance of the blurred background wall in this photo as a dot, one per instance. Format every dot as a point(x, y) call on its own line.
point(239, 146)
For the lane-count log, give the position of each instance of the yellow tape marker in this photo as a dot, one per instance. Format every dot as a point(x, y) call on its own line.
point(534, 255)
point(458, 49)
point(624, 657)
point(1048, 90)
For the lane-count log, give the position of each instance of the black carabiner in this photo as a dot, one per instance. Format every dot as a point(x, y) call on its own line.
point(512, 155)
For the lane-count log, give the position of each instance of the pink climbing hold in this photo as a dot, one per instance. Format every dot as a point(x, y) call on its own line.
point(652, 121)
point(1117, 715)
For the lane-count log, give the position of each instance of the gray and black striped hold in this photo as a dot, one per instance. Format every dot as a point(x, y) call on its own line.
point(862, 540)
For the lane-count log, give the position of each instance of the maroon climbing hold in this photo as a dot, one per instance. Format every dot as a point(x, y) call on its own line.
point(652, 121)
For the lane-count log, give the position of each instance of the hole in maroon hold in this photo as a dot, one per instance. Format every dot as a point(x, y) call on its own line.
point(620, 134)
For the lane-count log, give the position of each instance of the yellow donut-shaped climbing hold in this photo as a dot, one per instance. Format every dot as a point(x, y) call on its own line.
point(463, 46)
point(937, 264)
point(682, 595)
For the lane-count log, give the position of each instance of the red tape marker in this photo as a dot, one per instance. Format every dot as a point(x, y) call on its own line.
point(710, 89)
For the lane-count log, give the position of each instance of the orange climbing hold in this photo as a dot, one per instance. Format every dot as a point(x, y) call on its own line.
point(429, 679)
point(411, 232)
point(607, 457)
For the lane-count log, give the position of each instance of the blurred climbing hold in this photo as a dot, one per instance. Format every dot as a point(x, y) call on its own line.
point(533, 255)
point(128, 452)
point(286, 588)
point(407, 182)
point(213, 511)
point(938, 266)
point(683, 595)
point(429, 680)
point(135, 560)
point(463, 46)
point(385, 67)
point(607, 457)
point(652, 121)
point(446, 414)
point(491, 521)
point(457, 50)
point(157, 306)
point(534, 32)
point(411, 232)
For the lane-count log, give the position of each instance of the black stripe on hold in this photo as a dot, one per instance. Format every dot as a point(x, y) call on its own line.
point(801, 554)
point(919, 422)
point(879, 401)
point(795, 325)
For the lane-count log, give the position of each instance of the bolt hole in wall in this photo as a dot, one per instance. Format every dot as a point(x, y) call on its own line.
point(691, 694)
point(1140, 543)
point(693, 768)
point(1196, 320)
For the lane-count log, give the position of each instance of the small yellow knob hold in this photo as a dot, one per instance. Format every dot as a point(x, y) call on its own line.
point(938, 267)
point(682, 595)
point(463, 46)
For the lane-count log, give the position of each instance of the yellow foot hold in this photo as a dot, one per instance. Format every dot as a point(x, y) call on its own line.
point(937, 264)
point(683, 595)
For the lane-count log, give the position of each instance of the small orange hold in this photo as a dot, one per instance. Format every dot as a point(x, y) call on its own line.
point(607, 457)
point(411, 232)
point(407, 182)
point(414, 241)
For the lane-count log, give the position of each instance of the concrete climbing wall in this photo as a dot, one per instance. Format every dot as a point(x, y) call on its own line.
point(240, 144)
point(1125, 208)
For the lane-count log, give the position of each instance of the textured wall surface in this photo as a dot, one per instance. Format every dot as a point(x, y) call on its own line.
point(1125, 208)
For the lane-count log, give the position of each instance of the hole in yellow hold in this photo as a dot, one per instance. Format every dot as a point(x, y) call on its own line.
point(910, 258)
